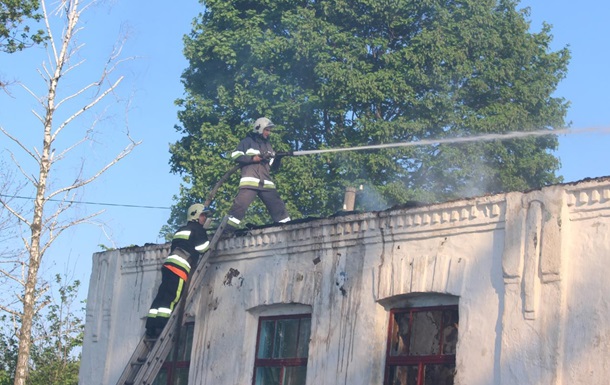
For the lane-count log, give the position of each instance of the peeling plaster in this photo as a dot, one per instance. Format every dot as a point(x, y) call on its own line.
point(232, 273)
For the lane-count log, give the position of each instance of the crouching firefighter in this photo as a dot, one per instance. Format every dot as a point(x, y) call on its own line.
point(188, 243)
point(257, 159)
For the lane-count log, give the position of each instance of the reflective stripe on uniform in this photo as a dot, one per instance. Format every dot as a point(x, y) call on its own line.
point(253, 152)
point(184, 234)
point(233, 221)
point(178, 294)
point(179, 261)
point(164, 312)
point(287, 219)
point(249, 181)
point(236, 154)
point(203, 247)
point(152, 313)
point(269, 184)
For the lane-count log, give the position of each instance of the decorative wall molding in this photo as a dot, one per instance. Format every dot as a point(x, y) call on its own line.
point(137, 259)
point(477, 214)
point(533, 249)
point(586, 197)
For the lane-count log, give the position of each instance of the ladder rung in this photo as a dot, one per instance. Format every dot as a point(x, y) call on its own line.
point(131, 375)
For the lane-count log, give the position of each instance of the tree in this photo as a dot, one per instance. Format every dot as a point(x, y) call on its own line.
point(51, 212)
point(6, 228)
point(15, 33)
point(339, 73)
point(57, 336)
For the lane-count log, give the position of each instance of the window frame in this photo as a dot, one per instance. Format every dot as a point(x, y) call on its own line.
point(171, 364)
point(417, 360)
point(280, 362)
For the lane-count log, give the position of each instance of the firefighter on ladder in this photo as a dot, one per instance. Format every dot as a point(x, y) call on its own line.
point(188, 243)
point(257, 159)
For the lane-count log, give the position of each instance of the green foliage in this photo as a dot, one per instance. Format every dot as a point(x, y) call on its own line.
point(339, 73)
point(8, 350)
point(15, 34)
point(57, 337)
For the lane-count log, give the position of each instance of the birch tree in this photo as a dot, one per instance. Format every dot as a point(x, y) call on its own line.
point(52, 211)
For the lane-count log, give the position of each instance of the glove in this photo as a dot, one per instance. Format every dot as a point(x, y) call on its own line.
point(268, 155)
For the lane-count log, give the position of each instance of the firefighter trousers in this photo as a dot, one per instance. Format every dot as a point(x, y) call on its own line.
point(168, 295)
point(270, 197)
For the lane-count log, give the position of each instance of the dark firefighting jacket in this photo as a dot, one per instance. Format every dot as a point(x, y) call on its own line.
point(190, 241)
point(255, 175)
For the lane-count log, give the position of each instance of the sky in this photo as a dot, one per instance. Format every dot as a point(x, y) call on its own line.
point(152, 83)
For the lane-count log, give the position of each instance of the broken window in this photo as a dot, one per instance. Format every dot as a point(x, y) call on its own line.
point(421, 346)
point(175, 369)
point(282, 349)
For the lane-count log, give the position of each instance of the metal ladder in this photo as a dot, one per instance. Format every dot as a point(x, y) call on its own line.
point(150, 353)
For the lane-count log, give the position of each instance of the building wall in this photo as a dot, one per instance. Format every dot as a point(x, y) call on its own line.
point(528, 270)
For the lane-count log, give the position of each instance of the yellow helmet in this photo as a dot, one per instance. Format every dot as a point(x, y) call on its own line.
point(260, 124)
point(195, 210)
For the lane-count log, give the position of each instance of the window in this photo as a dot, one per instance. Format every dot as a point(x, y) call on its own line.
point(421, 346)
point(175, 369)
point(282, 349)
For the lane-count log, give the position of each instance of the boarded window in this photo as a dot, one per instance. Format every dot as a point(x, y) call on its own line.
point(421, 346)
point(281, 350)
point(175, 369)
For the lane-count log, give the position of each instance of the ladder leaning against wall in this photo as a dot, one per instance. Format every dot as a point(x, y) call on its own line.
point(150, 353)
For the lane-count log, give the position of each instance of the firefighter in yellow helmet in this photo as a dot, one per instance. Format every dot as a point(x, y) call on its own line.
point(257, 159)
point(188, 243)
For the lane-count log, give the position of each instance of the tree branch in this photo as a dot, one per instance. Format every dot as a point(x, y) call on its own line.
point(18, 142)
point(28, 177)
point(62, 228)
point(47, 23)
point(14, 212)
point(85, 108)
point(120, 156)
point(10, 275)
point(10, 311)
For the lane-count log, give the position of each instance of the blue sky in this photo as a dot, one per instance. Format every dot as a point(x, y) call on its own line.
point(153, 82)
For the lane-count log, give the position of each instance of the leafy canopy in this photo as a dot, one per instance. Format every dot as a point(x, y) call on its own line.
point(15, 32)
point(343, 73)
point(57, 338)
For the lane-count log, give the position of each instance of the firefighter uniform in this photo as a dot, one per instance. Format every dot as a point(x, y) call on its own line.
point(188, 243)
point(256, 177)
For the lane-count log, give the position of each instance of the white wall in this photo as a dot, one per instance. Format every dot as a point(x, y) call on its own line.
point(527, 269)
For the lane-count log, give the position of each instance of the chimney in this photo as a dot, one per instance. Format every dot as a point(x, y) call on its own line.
point(350, 199)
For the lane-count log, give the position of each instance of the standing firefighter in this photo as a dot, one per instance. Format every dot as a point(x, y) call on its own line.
point(188, 243)
point(257, 159)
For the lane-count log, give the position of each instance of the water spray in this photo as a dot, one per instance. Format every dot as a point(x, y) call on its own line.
point(465, 139)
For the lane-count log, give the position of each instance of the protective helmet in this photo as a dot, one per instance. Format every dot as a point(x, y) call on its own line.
point(261, 124)
point(195, 210)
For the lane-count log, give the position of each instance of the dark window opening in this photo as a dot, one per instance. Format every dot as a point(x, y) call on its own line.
point(421, 346)
point(282, 348)
point(175, 369)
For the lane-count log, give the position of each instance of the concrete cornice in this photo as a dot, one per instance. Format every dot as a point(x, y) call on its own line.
point(582, 199)
point(587, 199)
point(475, 214)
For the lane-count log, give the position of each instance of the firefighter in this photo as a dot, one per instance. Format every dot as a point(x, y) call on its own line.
point(257, 159)
point(188, 243)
